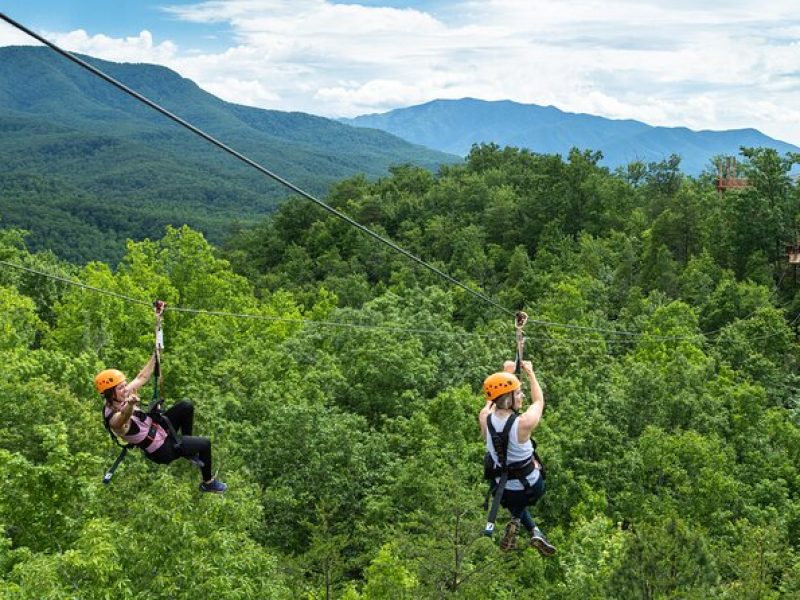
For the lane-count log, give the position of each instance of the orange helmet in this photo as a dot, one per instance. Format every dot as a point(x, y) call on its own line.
point(105, 380)
point(497, 384)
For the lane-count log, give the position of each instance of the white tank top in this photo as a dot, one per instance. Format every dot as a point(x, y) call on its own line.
point(516, 452)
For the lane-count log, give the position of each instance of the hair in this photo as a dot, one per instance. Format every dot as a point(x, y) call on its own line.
point(109, 394)
point(505, 401)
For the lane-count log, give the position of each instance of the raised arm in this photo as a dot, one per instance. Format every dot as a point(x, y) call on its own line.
point(120, 421)
point(483, 416)
point(143, 376)
point(529, 420)
point(147, 371)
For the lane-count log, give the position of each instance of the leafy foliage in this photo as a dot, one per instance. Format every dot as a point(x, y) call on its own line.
point(339, 386)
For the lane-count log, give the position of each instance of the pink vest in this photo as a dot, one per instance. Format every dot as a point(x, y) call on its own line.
point(144, 423)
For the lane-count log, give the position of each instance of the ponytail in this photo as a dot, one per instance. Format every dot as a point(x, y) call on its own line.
point(505, 402)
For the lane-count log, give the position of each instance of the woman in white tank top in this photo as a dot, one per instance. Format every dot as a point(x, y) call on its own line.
point(503, 399)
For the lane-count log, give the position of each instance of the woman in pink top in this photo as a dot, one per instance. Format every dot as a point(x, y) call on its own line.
point(123, 416)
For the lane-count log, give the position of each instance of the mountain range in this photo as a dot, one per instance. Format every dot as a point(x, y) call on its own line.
point(455, 125)
point(85, 166)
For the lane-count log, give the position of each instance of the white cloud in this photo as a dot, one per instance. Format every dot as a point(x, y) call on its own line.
point(10, 36)
point(698, 63)
point(249, 92)
point(375, 94)
point(139, 48)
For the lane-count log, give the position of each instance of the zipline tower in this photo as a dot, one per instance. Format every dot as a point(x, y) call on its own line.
point(793, 253)
point(728, 176)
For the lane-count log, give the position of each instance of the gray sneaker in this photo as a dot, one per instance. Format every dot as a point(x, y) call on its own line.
point(509, 539)
point(540, 542)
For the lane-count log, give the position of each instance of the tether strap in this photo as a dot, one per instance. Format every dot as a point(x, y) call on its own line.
point(502, 452)
point(110, 473)
point(155, 411)
point(519, 322)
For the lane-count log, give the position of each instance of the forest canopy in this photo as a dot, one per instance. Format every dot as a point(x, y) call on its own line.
point(342, 385)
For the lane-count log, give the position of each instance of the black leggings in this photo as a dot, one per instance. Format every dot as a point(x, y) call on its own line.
point(518, 501)
point(182, 418)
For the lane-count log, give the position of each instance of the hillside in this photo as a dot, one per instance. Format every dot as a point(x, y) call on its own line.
point(94, 163)
point(455, 125)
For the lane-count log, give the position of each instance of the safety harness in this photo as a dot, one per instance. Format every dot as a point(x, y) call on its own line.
point(150, 435)
point(503, 469)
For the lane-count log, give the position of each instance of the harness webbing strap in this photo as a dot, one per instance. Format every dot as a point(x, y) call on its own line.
point(498, 495)
point(500, 440)
point(154, 410)
point(111, 433)
point(110, 473)
point(500, 443)
point(519, 322)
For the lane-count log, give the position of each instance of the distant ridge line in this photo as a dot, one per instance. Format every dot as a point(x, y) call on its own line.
point(455, 125)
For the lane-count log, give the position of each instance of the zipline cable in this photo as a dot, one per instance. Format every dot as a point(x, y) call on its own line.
point(290, 185)
point(216, 313)
point(235, 315)
point(253, 163)
point(76, 283)
point(310, 197)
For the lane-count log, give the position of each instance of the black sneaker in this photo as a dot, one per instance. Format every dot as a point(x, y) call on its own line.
point(509, 539)
point(540, 542)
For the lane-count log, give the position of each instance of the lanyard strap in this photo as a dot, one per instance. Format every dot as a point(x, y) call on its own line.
point(519, 322)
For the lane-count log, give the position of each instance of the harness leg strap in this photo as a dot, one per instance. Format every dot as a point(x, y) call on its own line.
point(170, 430)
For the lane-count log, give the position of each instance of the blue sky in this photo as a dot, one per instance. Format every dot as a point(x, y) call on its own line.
point(118, 19)
point(694, 63)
